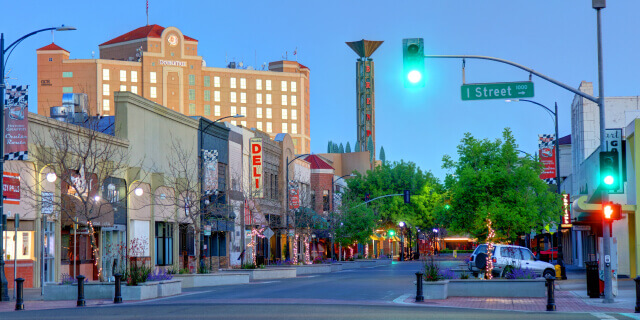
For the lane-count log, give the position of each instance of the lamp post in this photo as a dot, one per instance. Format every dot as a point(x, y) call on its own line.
point(4, 295)
point(333, 182)
point(401, 224)
point(202, 204)
point(557, 147)
point(287, 188)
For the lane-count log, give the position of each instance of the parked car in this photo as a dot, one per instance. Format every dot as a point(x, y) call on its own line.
point(506, 257)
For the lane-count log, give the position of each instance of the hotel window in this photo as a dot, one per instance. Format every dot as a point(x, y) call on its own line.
point(134, 76)
point(207, 110)
point(152, 77)
point(269, 127)
point(243, 83)
point(243, 123)
point(192, 109)
point(284, 114)
point(259, 113)
point(294, 100)
point(216, 111)
point(106, 105)
point(152, 92)
point(123, 75)
point(134, 89)
point(207, 81)
point(105, 89)
point(284, 100)
point(192, 80)
point(192, 94)
point(259, 98)
point(164, 244)
point(233, 83)
point(207, 95)
point(268, 98)
point(258, 84)
point(243, 97)
point(268, 113)
point(105, 74)
point(293, 86)
point(284, 128)
point(216, 96)
point(259, 125)
point(67, 74)
point(123, 88)
point(234, 111)
point(294, 114)
point(67, 89)
point(233, 97)
point(294, 128)
point(283, 84)
point(216, 82)
point(233, 122)
point(268, 84)
point(243, 111)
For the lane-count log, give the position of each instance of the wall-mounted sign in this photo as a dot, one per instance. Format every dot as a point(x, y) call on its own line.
point(47, 203)
point(566, 217)
point(547, 153)
point(45, 83)
point(257, 181)
point(172, 40)
point(11, 188)
point(172, 63)
point(16, 125)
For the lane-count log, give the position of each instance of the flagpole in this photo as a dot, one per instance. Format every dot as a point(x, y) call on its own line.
point(147, 12)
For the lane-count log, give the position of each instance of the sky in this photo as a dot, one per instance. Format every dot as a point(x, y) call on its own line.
point(556, 38)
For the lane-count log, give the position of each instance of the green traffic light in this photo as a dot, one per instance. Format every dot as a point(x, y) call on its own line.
point(413, 62)
point(608, 180)
point(447, 207)
point(391, 233)
point(414, 76)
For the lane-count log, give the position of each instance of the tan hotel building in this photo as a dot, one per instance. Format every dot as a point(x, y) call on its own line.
point(162, 65)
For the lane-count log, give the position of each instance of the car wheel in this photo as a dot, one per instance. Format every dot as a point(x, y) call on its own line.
point(549, 272)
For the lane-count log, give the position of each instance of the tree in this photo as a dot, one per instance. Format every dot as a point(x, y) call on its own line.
point(354, 222)
point(371, 149)
point(357, 148)
point(335, 148)
point(341, 148)
point(382, 156)
point(347, 149)
point(330, 147)
point(490, 182)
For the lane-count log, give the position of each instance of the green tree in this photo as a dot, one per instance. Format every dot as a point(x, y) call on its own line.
point(382, 156)
point(347, 149)
point(370, 148)
point(334, 149)
point(357, 148)
point(341, 148)
point(491, 182)
point(354, 223)
point(330, 147)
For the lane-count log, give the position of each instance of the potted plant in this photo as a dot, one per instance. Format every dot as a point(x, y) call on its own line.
point(435, 284)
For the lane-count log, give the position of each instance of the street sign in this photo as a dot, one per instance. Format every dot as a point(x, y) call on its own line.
point(268, 233)
point(499, 90)
point(613, 141)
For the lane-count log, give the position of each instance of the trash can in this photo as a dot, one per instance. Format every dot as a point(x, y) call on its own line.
point(593, 279)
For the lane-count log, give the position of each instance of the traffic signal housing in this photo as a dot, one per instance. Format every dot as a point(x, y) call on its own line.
point(612, 211)
point(407, 196)
point(413, 62)
point(391, 233)
point(609, 171)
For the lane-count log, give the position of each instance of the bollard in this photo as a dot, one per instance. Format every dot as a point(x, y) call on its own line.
point(551, 302)
point(118, 297)
point(81, 302)
point(637, 280)
point(419, 294)
point(19, 299)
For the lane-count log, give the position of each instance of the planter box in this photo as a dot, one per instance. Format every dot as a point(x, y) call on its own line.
point(524, 288)
point(106, 290)
point(366, 263)
point(335, 267)
point(350, 264)
point(383, 262)
point(266, 273)
point(212, 279)
point(143, 291)
point(168, 288)
point(312, 269)
point(435, 290)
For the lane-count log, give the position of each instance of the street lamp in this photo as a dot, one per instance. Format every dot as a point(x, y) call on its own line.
point(287, 189)
point(401, 224)
point(202, 183)
point(333, 182)
point(4, 295)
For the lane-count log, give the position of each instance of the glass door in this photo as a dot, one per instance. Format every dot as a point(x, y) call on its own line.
point(49, 252)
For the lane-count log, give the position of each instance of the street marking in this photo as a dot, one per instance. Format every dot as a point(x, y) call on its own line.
point(602, 316)
point(400, 299)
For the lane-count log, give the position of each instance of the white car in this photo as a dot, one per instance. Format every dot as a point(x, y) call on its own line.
point(506, 257)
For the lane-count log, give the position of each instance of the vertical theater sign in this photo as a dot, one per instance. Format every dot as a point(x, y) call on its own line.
point(257, 182)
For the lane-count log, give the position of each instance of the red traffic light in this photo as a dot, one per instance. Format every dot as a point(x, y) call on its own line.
point(612, 211)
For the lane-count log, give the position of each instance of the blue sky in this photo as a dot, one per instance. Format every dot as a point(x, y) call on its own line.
point(557, 38)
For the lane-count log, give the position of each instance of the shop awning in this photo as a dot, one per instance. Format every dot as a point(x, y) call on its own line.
point(376, 237)
point(100, 213)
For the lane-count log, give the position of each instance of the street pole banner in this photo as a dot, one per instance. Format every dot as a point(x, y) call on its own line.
point(256, 168)
point(294, 198)
point(547, 153)
point(210, 158)
point(11, 188)
point(16, 109)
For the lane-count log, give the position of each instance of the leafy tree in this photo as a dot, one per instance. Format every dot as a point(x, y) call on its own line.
point(357, 222)
point(347, 149)
point(330, 147)
point(382, 156)
point(341, 148)
point(491, 182)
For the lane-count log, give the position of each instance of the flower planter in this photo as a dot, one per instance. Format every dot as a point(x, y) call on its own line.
point(266, 273)
point(212, 279)
point(350, 264)
point(308, 268)
point(513, 288)
point(435, 290)
point(106, 290)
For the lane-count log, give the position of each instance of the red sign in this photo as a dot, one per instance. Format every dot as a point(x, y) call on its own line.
point(256, 168)
point(294, 199)
point(547, 152)
point(566, 217)
point(11, 188)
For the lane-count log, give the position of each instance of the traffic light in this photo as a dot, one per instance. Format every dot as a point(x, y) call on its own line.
point(609, 171)
point(391, 233)
point(366, 197)
point(407, 196)
point(447, 204)
point(612, 211)
point(413, 62)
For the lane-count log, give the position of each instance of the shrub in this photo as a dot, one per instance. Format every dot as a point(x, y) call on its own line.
point(250, 265)
point(464, 275)
point(518, 273)
point(69, 279)
point(432, 271)
point(447, 273)
point(138, 269)
point(184, 271)
point(159, 275)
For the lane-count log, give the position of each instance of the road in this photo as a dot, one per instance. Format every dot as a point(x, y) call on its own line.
point(370, 293)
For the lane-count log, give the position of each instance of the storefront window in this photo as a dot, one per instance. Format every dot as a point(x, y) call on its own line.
point(24, 243)
point(164, 244)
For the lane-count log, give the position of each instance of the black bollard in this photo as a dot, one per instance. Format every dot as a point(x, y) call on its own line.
point(19, 299)
point(637, 280)
point(118, 297)
point(551, 302)
point(81, 302)
point(419, 294)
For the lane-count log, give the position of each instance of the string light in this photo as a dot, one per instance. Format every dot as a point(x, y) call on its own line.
point(255, 233)
point(307, 258)
point(366, 251)
point(95, 249)
point(491, 235)
point(295, 249)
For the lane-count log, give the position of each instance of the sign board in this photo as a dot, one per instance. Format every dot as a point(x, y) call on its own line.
point(294, 198)
point(566, 217)
point(16, 123)
point(257, 181)
point(11, 188)
point(581, 228)
point(210, 166)
point(547, 154)
point(207, 230)
point(268, 233)
point(500, 90)
point(614, 142)
point(47, 203)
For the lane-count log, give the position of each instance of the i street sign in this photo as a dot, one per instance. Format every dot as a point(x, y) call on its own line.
point(500, 90)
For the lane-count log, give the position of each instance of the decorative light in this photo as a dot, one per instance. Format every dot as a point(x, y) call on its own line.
point(96, 198)
point(255, 233)
point(307, 258)
point(490, 236)
point(366, 251)
point(295, 250)
point(139, 192)
point(51, 177)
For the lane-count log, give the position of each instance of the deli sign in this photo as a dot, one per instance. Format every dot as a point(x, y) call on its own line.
point(11, 188)
point(257, 181)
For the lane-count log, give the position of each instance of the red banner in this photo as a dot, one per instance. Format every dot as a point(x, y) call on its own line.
point(547, 153)
point(566, 217)
point(11, 188)
point(294, 199)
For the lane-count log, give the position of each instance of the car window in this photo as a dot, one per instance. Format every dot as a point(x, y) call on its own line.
point(481, 249)
point(506, 252)
point(526, 254)
point(516, 253)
